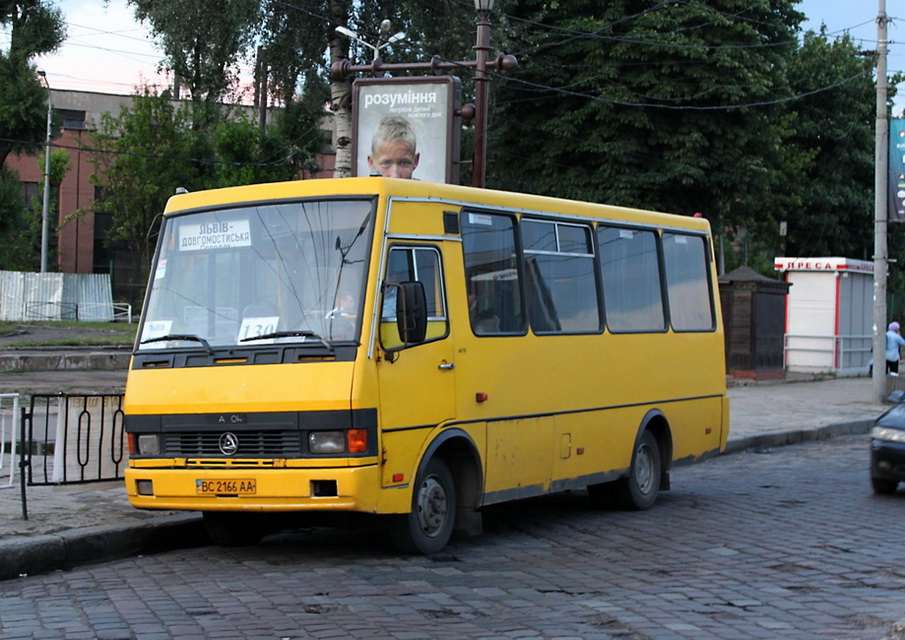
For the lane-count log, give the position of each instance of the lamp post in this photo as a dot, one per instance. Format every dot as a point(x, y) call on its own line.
point(384, 28)
point(45, 209)
point(482, 52)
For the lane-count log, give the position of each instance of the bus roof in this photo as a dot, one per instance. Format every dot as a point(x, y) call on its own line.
point(417, 189)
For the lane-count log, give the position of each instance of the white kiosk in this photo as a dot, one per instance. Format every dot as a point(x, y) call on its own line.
point(829, 314)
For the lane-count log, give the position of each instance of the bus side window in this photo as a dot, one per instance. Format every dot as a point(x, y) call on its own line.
point(630, 270)
point(413, 264)
point(688, 283)
point(495, 302)
point(561, 285)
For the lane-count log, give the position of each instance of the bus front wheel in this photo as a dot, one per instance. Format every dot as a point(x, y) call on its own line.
point(428, 527)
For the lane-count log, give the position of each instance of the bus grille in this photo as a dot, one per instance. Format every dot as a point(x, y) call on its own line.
point(279, 444)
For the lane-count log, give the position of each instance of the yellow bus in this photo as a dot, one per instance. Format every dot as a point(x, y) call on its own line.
point(419, 351)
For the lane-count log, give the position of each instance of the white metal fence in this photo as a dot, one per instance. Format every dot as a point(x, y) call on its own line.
point(59, 296)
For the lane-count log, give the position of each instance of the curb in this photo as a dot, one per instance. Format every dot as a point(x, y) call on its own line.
point(68, 549)
point(65, 361)
point(797, 436)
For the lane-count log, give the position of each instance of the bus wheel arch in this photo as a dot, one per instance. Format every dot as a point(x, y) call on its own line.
point(445, 496)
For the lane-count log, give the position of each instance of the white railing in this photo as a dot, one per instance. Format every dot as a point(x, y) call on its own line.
point(827, 353)
point(9, 434)
point(105, 311)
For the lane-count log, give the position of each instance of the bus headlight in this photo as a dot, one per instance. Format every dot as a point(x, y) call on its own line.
point(148, 445)
point(327, 442)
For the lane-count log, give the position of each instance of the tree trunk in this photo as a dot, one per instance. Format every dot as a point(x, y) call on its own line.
point(341, 92)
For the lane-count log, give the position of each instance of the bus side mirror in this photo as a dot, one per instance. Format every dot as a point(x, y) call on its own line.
point(411, 312)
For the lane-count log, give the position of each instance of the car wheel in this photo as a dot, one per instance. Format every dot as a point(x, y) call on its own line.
point(429, 526)
point(883, 487)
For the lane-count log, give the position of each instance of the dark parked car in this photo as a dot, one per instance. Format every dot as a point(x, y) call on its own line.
point(887, 450)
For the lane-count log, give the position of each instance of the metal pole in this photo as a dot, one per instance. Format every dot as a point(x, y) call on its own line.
point(45, 209)
point(482, 48)
point(880, 206)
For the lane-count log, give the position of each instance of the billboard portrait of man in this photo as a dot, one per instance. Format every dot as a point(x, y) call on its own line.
point(404, 128)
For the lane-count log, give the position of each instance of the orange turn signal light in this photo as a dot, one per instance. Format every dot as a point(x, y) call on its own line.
point(357, 440)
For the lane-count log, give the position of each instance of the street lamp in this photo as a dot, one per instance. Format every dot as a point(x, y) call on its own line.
point(384, 28)
point(45, 209)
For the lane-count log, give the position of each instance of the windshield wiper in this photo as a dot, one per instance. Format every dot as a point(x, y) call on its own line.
point(289, 334)
point(182, 336)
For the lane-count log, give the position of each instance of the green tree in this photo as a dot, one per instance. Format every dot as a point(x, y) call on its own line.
point(202, 42)
point(35, 28)
point(835, 126)
point(144, 154)
point(672, 106)
point(19, 253)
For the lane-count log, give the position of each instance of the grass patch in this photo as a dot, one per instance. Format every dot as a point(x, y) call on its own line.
point(67, 334)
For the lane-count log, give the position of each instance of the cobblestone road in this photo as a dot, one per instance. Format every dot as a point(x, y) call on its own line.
point(788, 543)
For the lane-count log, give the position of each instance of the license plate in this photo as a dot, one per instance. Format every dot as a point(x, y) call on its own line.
point(232, 486)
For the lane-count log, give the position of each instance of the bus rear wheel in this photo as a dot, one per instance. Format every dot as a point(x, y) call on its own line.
point(428, 527)
point(639, 490)
point(233, 529)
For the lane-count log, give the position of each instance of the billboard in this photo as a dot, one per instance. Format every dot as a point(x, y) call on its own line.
point(406, 128)
point(896, 170)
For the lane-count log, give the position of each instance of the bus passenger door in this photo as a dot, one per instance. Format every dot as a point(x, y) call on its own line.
point(417, 388)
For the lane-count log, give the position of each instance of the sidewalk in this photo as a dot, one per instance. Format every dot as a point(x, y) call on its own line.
point(70, 525)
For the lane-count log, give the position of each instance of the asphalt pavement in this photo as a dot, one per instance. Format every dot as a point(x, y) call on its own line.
point(70, 525)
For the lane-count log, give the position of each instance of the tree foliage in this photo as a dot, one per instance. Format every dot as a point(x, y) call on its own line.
point(669, 106)
point(835, 125)
point(202, 42)
point(35, 27)
point(148, 150)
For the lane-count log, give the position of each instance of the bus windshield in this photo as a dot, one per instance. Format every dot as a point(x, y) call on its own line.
point(255, 275)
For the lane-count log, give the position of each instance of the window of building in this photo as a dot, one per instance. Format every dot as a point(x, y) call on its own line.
point(71, 118)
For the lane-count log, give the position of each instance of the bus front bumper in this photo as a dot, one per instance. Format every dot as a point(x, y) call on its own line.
point(244, 489)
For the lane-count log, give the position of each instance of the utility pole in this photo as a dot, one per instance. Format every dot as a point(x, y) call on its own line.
point(881, 223)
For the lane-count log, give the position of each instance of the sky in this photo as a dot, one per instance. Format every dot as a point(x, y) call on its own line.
point(108, 51)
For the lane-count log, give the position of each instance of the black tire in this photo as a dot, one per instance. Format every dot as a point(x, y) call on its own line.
point(883, 487)
point(429, 526)
point(639, 490)
point(229, 529)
